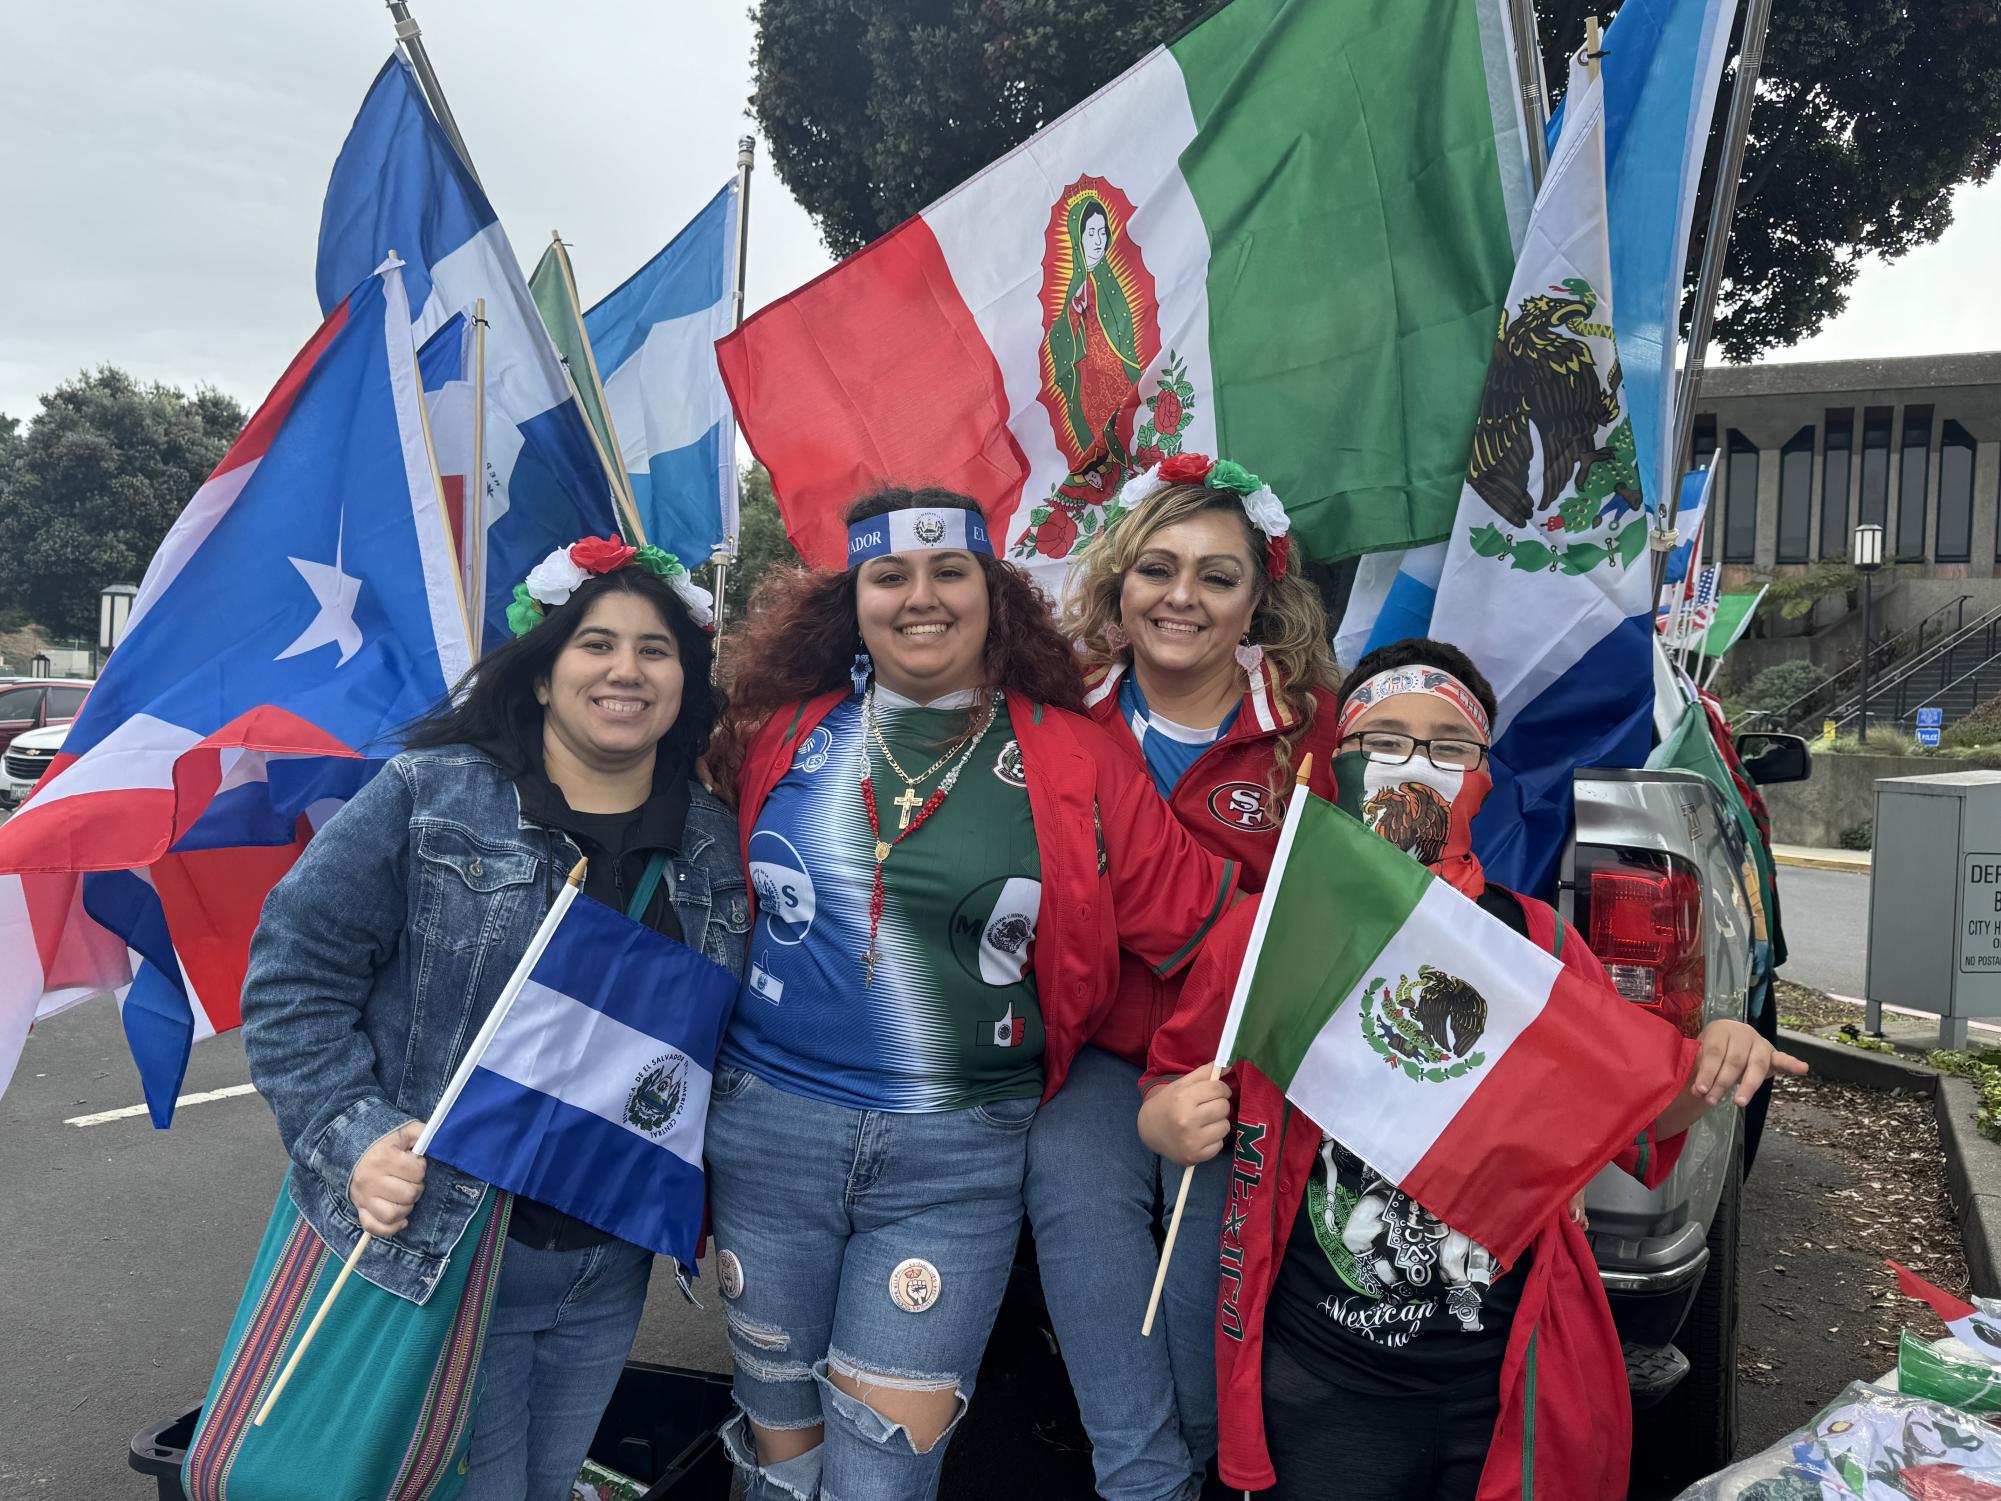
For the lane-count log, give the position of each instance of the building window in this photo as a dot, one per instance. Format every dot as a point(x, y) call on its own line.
point(1740, 501)
point(1955, 495)
point(1875, 466)
point(1840, 446)
point(1796, 497)
point(1913, 470)
point(1701, 448)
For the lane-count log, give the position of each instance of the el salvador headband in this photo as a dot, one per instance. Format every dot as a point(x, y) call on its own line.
point(918, 530)
point(1435, 681)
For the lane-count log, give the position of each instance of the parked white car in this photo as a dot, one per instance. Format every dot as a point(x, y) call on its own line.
point(26, 758)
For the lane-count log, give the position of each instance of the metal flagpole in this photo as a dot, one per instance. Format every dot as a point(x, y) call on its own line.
point(1535, 98)
point(411, 36)
point(621, 481)
point(475, 500)
point(746, 156)
point(1722, 209)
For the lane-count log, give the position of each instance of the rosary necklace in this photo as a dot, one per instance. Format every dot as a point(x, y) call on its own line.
point(870, 731)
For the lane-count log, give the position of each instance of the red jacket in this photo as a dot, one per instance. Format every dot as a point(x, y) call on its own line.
point(1224, 802)
point(1565, 1430)
point(1116, 868)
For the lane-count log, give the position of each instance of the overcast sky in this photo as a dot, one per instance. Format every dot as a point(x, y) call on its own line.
point(162, 166)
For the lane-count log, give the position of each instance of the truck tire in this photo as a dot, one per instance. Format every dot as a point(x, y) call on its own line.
point(1692, 1432)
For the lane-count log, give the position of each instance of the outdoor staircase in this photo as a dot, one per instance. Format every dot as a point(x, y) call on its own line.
point(1836, 696)
point(1955, 674)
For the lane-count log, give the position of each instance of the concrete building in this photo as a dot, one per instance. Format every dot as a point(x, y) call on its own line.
point(1806, 452)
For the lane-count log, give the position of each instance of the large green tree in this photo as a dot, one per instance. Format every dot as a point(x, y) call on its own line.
point(93, 483)
point(761, 543)
point(1871, 112)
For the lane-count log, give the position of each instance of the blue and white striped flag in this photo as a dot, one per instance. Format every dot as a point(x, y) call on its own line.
point(655, 341)
point(588, 1087)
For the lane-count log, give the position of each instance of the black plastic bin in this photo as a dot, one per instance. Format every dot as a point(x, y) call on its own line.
point(661, 1428)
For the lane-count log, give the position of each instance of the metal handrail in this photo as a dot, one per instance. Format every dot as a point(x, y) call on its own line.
point(1918, 662)
point(1789, 713)
point(1894, 697)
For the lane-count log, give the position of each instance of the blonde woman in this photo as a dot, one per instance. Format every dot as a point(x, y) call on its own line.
point(1209, 664)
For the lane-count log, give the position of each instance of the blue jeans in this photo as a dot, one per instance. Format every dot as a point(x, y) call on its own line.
point(867, 1244)
point(1149, 1404)
point(556, 1341)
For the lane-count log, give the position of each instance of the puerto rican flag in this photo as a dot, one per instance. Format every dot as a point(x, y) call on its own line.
point(301, 609)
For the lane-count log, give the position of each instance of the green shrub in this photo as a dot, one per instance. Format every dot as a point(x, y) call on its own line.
point(1781, 683)
point(1793, 595)
point(1883, 741)
point(1860, 836)
point(1981, 727)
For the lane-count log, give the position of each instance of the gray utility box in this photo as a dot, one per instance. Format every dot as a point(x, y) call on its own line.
point(1935, 899)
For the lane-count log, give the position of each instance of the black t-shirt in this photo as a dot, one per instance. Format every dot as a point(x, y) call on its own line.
point(1378, 1295)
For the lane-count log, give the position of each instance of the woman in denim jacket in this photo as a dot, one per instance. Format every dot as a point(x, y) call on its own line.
point(382, 951)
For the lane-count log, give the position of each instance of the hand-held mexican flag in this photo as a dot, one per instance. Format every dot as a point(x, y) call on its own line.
point(1470, 1067)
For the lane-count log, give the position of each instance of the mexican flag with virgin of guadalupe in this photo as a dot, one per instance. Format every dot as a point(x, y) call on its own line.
point(1470, 1067)
point(1283, 238)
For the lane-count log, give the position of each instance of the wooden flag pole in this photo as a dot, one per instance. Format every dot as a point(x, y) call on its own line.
point(746, 157)
point(614, 465)
point(467, 1064)
point(475, 495)
point(1226, 1044)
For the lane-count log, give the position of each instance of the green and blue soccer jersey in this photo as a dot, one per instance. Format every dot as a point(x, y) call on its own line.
point(950, 1018)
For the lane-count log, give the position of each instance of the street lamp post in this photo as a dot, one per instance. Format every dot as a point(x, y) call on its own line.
point(114, 609)
point(1868, 557)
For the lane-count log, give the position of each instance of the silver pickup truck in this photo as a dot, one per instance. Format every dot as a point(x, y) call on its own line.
point(1655, 881)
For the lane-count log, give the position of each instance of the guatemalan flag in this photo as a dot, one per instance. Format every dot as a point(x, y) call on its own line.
point(301, 609)
point(655, 342)
point(1547, 583)
point(398, 185)
point(588, 1087)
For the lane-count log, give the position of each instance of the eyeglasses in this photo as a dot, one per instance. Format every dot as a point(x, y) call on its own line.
point(1386, 749)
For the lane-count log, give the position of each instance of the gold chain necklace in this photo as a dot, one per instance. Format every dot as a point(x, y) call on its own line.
point(973, 730)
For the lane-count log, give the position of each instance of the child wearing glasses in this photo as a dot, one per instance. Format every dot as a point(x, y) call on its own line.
point(1371, 1351)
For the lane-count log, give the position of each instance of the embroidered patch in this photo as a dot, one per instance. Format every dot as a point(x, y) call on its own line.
point(1008, 765)
point(1242, 805)
point(914, 1285)
point(729, 1274)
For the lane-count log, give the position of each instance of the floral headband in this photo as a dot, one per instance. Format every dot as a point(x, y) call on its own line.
point(1261, 506)
point(563, 572)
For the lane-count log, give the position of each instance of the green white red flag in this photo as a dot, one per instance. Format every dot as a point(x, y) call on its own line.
point(1283, 238)
point(1476, 1071)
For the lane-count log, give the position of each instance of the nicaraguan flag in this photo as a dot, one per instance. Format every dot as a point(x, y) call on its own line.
point(655, 341)
point(1547, 582)
point(593, 1089)
point(398, 185)
point(1663, 59)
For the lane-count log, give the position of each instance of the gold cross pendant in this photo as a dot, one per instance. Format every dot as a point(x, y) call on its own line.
point(907, 802)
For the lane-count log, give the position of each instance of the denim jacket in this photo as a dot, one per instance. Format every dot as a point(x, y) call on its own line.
point(384, 948)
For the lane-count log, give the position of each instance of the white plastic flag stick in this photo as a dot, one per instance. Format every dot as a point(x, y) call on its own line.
point(1295, 810)
point(501, 1006)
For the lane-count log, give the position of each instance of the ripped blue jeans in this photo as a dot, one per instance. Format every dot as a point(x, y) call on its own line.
point(865, 1244)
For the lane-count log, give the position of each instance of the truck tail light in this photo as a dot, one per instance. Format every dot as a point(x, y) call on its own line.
point(1641, 913)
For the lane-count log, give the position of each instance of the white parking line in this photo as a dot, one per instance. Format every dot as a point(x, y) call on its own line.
point(187, 1099)
point(1856, 1000)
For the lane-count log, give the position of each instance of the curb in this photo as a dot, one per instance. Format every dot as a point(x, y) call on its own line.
point(1972, 1162)
point(1824, 862)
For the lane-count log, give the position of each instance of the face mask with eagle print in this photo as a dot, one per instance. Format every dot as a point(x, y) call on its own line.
point(1424, 810)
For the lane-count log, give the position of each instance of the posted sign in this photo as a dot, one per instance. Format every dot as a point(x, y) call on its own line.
point(1980, 915)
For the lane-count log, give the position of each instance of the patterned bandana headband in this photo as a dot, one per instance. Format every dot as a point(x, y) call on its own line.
point(1414, 679)
point(1261, 506)
point(564, 571)
point(918, 530)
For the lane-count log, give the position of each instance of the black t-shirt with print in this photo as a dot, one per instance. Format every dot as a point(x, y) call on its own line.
point(1378, 1295)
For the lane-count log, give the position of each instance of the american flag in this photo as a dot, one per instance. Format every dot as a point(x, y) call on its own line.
point(1702, 604)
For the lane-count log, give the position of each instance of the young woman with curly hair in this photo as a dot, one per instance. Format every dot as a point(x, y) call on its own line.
point(1208, 664)
point(946, 855)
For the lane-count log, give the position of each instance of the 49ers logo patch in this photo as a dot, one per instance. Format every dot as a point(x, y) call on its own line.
point(1243, 805)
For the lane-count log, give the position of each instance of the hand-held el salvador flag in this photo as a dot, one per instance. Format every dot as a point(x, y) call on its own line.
point(587, 1088)
point(1547, 582)
point(398, 185)
point(655, 341)
point(300, 610)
